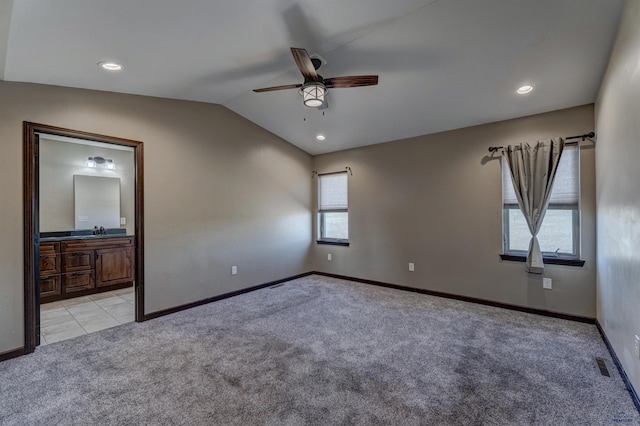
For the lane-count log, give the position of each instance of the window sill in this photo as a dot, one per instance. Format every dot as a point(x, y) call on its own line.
point(333, 243)
point(547, 260)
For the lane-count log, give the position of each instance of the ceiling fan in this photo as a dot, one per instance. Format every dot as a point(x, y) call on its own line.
point(315, 87)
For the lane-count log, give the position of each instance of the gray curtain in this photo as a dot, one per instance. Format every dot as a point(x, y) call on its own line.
point(533, 168)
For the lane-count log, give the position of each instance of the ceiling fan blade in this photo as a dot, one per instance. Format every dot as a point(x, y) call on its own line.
point(303, 61)
point(325, 104)
point(271, 89)
point(351, 81)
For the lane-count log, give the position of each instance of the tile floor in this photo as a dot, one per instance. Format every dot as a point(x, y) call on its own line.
point(82, 315)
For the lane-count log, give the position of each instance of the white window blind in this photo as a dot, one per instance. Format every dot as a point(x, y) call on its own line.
point(332, 190)
point(566, 186)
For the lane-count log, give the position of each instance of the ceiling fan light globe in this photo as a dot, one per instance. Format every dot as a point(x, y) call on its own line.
point(313, 95)
point(313, 103)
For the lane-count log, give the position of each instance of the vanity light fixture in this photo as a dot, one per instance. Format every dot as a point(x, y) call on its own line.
point(523, 90)
point(94, 161)
point(110, 66)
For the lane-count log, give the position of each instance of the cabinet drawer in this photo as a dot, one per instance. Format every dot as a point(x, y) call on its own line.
point(50, 248)
point(50, 286)
point(49, 263)
point(77, 260)
point(49, 258)
point(80, 280)
point(96, 243)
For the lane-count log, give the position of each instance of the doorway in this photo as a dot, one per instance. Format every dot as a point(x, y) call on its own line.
point(32, 220)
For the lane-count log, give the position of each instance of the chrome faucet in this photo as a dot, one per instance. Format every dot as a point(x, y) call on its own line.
point(99, 231)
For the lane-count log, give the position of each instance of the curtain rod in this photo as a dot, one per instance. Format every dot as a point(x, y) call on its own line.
point(583, 137)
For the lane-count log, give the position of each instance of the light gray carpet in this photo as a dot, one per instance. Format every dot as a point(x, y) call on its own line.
point(321, 351)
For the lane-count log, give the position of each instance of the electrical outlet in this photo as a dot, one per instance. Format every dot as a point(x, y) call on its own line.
point(234, 270)
point(328, 256)
point(546, 283)
point(411, 267)
point(637, 346)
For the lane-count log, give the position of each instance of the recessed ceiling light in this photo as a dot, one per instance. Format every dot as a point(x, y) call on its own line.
point(110, 66)
point(320, 137)
point(525, 89)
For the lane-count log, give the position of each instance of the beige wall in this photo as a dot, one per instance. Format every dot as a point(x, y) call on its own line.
point(219, 191)
point(435, 201)
point(59, 162)
point(618, 194)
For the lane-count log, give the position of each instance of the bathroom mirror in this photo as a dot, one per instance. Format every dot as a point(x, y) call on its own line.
point(60, 159)
point(96, 201)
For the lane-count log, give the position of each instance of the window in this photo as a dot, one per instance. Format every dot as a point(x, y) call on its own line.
point(560, 232)
point(333, 206)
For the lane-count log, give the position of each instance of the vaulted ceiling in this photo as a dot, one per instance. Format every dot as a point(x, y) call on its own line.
point(443, 64)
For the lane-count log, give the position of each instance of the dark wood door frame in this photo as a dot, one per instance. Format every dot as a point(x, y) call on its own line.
point(32, 218)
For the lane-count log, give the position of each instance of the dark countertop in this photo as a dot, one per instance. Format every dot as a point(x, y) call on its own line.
point(83, 237)
point(82, 234)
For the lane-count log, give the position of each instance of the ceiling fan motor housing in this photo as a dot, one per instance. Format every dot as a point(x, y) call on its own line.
point(317, 62)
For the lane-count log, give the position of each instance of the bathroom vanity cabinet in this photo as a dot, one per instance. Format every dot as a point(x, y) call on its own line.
point(72, 267)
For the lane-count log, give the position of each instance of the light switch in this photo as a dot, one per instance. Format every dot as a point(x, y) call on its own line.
point(123, 221)
point(546, 283)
